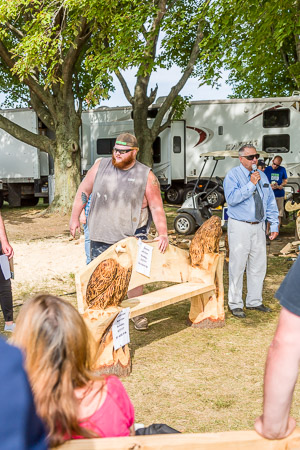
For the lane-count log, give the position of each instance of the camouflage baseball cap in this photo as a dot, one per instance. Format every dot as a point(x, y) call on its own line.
point(126, 141)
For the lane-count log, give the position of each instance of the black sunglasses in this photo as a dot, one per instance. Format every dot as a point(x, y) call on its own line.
point(251, 157)
point(122, 152)
point(274, 164)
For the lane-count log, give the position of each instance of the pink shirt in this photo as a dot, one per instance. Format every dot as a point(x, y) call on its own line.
point(115, 416)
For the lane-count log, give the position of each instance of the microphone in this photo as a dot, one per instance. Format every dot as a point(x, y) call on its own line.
point(254, 169)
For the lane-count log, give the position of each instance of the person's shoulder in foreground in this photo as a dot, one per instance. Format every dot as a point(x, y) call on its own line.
point(20, 427)
point(288, 292)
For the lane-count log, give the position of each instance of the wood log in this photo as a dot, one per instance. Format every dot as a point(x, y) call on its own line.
point(286, 249)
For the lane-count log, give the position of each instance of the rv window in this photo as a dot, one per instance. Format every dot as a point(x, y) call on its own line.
point(276, 143)
point(105, 146)
point(156, 151)
point(276, 118)
point(176, 144)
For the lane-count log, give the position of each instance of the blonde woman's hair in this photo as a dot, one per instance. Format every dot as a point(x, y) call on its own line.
point(55, 338)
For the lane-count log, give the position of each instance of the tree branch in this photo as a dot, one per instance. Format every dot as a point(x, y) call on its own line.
point(36, 140)
point(17, 33)
point(168, 121)
point(180, 84)
point(74, 52)
point(153, 94)
point(124, 86)
point(42, 111)
point(151, 43)
point(29, 81)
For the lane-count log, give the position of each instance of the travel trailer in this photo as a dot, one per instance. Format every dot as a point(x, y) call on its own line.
point(24, 169)
point(271, 124)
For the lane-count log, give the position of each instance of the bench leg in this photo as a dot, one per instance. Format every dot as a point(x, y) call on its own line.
point(204, 311)
point(111, 361)
point(207, 310)
point(106, 359)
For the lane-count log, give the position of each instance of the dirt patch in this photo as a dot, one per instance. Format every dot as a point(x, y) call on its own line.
point(27, 224)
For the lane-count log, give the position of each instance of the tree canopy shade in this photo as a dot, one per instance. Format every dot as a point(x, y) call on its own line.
point(264, 55)
point(43, 47)
point(168, 32)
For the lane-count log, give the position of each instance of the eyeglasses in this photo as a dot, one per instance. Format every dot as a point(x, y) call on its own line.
point(274, 164)
point(251, 157)
point(122, 152)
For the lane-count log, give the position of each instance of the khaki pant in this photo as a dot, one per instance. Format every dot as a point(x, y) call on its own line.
point(280, 206)
point(247, 250)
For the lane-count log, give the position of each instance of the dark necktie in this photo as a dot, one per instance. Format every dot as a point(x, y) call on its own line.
point(259, 207)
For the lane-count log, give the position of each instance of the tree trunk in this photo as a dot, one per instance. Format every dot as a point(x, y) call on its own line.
point(66, 160)
point(141, 129)
point(143, 135)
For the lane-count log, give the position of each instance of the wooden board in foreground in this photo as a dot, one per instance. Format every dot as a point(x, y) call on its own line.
point(230, 440)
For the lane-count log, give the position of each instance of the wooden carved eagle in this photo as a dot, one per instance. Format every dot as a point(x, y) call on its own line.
point(108, 284)
point(206, 240)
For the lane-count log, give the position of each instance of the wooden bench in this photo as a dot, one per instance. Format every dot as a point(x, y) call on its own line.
point(230, 440)
point(202, 284)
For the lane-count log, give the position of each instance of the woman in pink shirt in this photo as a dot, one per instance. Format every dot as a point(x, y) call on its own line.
point(73, 402)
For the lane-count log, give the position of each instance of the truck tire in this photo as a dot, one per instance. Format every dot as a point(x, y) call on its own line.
point(184, 224)
point(31, 201)
point(215, 199)
point(174, 195)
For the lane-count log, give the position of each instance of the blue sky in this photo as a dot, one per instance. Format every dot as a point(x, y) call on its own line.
point(165, 80)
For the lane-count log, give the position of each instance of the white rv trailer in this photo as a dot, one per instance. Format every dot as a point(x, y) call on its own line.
point(24, 169)
point(271, 124)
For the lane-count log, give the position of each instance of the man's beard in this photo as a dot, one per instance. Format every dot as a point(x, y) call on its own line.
point(123, 164)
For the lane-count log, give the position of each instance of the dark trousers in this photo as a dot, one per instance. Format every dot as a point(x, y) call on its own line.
point(6, 298)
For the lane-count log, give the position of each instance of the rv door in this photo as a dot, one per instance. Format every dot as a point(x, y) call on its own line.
point(177, 150)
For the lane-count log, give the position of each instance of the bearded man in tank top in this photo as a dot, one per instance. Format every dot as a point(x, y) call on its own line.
point(125, 199)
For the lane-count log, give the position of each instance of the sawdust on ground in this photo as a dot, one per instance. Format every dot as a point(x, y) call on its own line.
point(42, 245)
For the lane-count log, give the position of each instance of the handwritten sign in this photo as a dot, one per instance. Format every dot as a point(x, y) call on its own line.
point(120, 329)
point(144, 259)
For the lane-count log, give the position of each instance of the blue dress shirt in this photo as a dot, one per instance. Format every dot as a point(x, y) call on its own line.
point(239, 191)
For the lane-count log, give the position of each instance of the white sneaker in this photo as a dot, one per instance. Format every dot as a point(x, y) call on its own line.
point(9, 328)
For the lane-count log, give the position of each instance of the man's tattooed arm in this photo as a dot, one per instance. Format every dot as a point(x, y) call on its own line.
point(155, 182)
point(84, 198)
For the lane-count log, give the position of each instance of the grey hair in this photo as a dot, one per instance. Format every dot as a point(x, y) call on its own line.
point(241, 150)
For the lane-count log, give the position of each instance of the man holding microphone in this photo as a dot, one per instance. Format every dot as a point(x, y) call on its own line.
point(251, 201)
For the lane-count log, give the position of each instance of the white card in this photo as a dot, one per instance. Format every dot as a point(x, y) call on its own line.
point(4, 263)
point(143, 264)
point(120, 329)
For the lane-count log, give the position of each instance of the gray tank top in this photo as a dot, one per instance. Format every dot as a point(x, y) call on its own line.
point(116, 203)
